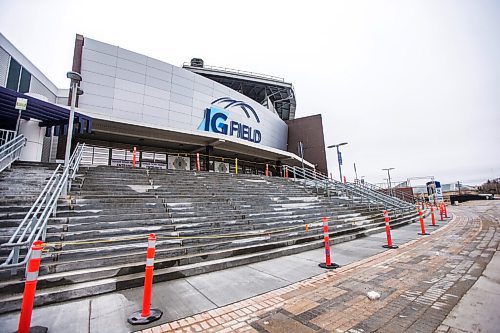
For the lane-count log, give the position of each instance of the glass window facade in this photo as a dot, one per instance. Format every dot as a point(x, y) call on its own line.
point(19, 79)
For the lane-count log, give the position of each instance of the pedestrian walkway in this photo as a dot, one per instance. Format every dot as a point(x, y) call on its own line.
point(189, 296)
point(419, 284)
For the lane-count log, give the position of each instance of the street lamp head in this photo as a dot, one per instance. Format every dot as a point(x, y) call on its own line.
point(338, 145)
point(74, 76)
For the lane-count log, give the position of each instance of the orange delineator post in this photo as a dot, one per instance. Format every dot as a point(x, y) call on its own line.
point(328, 263)
point(30, 287)
point(267, 170)
point(134, 157)
point(441, 212)
point(147, 315)
point(345, 180)
point(286, 172)
point(445, 210)
point(433, 218)
point(198, 166)
point(388, 233)
point(422, 225)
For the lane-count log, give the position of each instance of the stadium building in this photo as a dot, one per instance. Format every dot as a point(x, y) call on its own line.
point(169, 114)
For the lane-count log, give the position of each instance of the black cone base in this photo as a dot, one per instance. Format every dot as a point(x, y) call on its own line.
point(136, 318)
point(332, 266)
point(38, 329)
point(432, 225)
point(390, 247)
point(423, 234)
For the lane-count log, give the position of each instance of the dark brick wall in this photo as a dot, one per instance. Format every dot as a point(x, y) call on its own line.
point(309, 130)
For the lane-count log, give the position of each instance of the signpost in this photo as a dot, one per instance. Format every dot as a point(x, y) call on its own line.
point(21, 104)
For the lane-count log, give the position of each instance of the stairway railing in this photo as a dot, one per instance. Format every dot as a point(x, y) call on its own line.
point(10, 147)
point(395, 193)
point(34, 225)
point(312, 178)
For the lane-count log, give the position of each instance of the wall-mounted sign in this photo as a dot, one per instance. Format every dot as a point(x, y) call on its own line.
point(21, 103)
point(217, 119)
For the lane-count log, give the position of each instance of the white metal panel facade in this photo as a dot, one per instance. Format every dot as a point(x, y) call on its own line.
point(4, 66)
point(129, 86)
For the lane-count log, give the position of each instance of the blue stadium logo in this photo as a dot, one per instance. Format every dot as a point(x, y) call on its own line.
point(215, 121)
point(232, 103)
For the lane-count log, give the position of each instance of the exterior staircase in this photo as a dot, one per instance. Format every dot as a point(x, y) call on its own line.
point(203, 222)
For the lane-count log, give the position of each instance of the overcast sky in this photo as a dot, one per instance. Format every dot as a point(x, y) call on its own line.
point(413, 85)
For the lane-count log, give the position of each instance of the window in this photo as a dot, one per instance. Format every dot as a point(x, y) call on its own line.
point(19, 79)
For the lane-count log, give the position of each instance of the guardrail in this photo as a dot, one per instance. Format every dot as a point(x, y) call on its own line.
point(312, 178)
point(10, 147)
point(34, 225)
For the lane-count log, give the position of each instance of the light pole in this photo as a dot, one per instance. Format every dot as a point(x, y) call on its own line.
point(339, 157)
point(75, 79)
point(389, 178)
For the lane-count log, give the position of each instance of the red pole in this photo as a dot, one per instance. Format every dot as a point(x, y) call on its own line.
point(30, 287)
point(388, 232)
point(422, 226)
point(198, 162)
point(134, 157)
point(267, 170)
point(328, 263)
point(345, 180)
point(441, 212)
point(286, 172)
point(445, 210)
point(147, 315)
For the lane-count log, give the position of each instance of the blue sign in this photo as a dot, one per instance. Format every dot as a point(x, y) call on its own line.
point(216, 120)
point(340, 158)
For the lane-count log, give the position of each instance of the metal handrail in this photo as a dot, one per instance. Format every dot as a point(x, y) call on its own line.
point(10, 150)
point(34, 225)
point(377, 188)
point(375, 196)
point(6, 135)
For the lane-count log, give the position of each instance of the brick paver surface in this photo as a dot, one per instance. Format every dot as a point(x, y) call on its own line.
point(419, 284)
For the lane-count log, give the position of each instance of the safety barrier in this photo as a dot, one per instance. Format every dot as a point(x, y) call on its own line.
point(326, 235)
point(10, 148)
point(422, 225)
point(433, 218)
point(34, 225)
point(30, 288)
point(147, 315)
point(388, 232)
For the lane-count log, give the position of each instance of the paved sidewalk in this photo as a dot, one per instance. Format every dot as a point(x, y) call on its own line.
point(420, 284)
point(189, 296)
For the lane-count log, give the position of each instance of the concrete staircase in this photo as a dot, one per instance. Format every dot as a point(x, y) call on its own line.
point(203, 221)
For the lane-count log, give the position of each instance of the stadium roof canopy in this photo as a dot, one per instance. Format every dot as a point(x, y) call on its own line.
point(261, 88)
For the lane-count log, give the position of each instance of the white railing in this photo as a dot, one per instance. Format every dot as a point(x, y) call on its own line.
point(10, 147)
point(34, 225)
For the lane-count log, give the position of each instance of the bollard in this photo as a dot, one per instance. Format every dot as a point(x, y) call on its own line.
point(134, 157)
point(445, 210)
point(433, 218)
point(388, 233)
point(328, 264)
point(422, 226)
point(198, 166)
point(30, 290)
point(147, 315)
point(286, 172)
point(267, 170)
